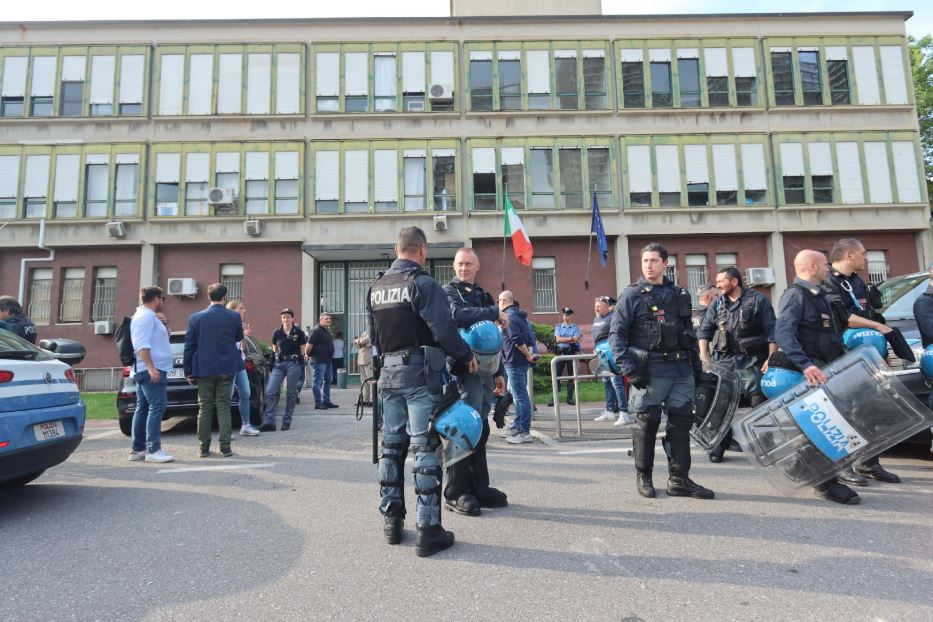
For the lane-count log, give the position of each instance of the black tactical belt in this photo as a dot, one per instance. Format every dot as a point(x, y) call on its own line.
point(677, 355)
point(394, 359)
point(290, 357)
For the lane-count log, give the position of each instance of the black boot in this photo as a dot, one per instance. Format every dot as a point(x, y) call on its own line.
point(430, 539)
point(852, 478)
point(678, 486)
point(465, 504)
point(644, 485)
point(393, 529)
point(872, 469)
point(493, 498)
point(836, 492)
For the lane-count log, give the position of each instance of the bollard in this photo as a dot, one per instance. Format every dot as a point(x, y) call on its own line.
point(341, 378)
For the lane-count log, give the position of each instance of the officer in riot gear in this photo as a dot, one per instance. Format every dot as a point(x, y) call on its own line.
point(411, 324)
point(923, 313)
point(844, 287)
point(809, 332)
point(654, 345)
point(739, 330)
point(705, 295)
point(14, 320)
point(468, 487)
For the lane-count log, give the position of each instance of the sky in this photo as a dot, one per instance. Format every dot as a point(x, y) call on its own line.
point(920, 24)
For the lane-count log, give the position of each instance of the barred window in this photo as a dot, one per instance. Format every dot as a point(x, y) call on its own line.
point(877, 267)
point(72, 295)
point(231, 276)
point(545, 284)
point(696, 274)
point(40, 296)
point(671, 271)
point(105, 289)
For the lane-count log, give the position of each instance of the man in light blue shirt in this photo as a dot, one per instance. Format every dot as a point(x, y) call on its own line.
point(567, 337)
point(149, 333)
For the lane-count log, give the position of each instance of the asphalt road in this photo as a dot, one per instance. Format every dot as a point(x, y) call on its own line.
point(288, 530)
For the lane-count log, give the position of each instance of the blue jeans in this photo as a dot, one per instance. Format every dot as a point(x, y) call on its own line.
point(150, 406)
point(406, 413)
point(284, 371)
point(518, 387)
point(321, 385)
point(241, 384)
point(302, 374)
point(616, 396)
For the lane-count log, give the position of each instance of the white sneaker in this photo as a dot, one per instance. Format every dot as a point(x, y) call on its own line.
point(624, 419)
point(607, 415)
point(519, 438)
point(159, 456)
point(508, 432)
point(248, 430)
point(136, 456)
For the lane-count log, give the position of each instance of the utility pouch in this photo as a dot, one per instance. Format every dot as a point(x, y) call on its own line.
point(753, 345)
point(720, 341)
point(434, 363)
point(639, 357)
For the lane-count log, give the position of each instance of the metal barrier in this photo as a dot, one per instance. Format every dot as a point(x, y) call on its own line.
point(576, 378)
point(98, 379)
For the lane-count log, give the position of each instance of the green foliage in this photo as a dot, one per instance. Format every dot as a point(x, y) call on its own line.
point(101, 405)
point(921, 62)
point(542, 373)
point(545, 334)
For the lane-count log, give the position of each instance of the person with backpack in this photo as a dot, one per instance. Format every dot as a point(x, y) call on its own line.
point(152, 360)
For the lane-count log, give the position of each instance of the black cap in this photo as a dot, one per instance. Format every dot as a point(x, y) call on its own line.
point(288, 311)
point(567, 311)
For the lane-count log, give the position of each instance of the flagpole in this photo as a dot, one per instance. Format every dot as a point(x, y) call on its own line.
point(589, 252)
point(503, 261)
point(504, 224)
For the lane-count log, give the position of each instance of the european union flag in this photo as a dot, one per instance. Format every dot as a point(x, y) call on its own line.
point(597, 227)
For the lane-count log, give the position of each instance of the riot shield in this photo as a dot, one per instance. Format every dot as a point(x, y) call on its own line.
point(807, 434)
point(717, 395)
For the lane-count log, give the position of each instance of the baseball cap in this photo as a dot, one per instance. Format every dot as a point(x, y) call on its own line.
point(567, 311)
point(288, 311)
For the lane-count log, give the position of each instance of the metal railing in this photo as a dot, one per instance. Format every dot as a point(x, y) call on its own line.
point(98, 379)
point(576, 378)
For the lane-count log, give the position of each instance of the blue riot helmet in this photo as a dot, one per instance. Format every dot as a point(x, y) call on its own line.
point(460, 426)
point(777, 380)
point(485, 340)
point(926, 361)
point(856, 337)
point(605, 362)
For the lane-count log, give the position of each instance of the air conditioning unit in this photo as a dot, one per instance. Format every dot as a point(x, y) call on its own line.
point(440, 223)
point(441, 92)
point(115, 229)
point(252, 227)
point(221, 197)
point(103, 327)
point(182, 287)
point(759, 276)
point(414, 106)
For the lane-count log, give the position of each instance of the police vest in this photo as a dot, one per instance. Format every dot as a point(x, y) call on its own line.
point(399, 328)
point(926, 339)
point(663, 329)
point(862, 299)
point(821, 338)
point(737, 326)
point(473, 295)
point(24, 327)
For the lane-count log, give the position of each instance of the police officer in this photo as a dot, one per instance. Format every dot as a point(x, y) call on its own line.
point(14, 320)
point(705, 295)
point(613, 387)
point(411, 325)
point(739, 324)
point(923, 313)
point(468, 487)
point(567, 337)
point(654, 345)
point(844, 287)
point(809, 332)
point(289, 342)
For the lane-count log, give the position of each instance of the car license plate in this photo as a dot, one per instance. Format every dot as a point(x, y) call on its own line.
point(48, 430)
point(176, 373)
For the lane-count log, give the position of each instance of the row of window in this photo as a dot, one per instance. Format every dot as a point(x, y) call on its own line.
point(359, 177)
point(72, 309)
point(423, 77)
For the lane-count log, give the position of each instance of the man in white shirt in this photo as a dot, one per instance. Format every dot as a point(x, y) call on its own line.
point(149, 333)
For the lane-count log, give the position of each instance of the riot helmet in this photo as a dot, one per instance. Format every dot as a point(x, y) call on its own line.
point(926, 361)
point(485, 340)
point(604, 363)
point(777, 380)
point(856, 337)
point(461, 427)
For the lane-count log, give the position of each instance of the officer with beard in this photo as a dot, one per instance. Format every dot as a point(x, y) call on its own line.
point(411, 325)
point(845, 287)
point(654, 345)
point(739, 328)
point(468, 487)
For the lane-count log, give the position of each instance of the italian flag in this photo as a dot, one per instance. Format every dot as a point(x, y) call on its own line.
point(514, 228)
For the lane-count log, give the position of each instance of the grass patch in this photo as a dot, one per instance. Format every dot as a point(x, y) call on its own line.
point(100, 405)
point(589, 391)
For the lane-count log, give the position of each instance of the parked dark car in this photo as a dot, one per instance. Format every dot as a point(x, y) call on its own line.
point(182, 398)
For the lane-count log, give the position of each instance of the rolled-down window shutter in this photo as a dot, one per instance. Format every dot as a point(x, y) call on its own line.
point(753, 167)
point(792, 160)
point(512, 156)
point(200, 83)
point(36, 183)
point(850, 172)
point(892, 72)
point(287, 83)
point(9, 176)
point(97, 158)
point(385, 184)
point(442, 68)
point(696, 165)
point(356, 176)
point(257, 165)
point(668, 161)
point(539, 75)
point(879, 178)
point(906, 172)
point(639, 168)
point(866, 74)
point(743, 63)
point(355, 73)
point(66, 177)
point(688, 53)
point(716, 65)
point(132, 69)
point(102, 79)
point(73, 68)
point(286, 165)
point(724, 167)
point(168, 168)
point(659, 55)
point(836, 52)
point(631, 56)
point(197, 167)
point(230, 83)
point(171, 81)
point(43, 76)
point(328, 74)
point(413, 72)
point(327, 175)
point(14, 76)
point(228, 162)
point(821, 160)
point(258, 83)
point(484, 160)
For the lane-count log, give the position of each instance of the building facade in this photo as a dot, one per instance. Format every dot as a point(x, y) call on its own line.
point(281, 157)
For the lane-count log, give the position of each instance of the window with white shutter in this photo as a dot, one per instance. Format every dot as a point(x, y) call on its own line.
point(197, 177)
point(696, 168)
point(287, 83)
point(385, 180)
point(256, 174)
point(892, 72)
point(413, 77)
point(356, 81)
point(726, 174)
point(200, 83)
point(442, 78)
point(906, 172)
point(286, 182)
point(668, 163)
point(258, 83)
point(9, 185)
point(356, 181)
point(753, 174)
point(13, 87)
point(414, 179)
point(792, 171)
point(96, 182)
point(230, 84)
point(484, 178)
point(228, 171)
point(132, 72)
point(171, 83)
point(36, 185)
point(65, 197)
point(879, 178)
point(850, 173)
point(385, 82)
point(539, 79)
point(43, 85)
point(745, 76)
point(717, 76)
point(103, 70)
point(639, 175)
point(127, 182)
point(866, 75)
point(168, 172)
point(326, 181)
point(327, 81)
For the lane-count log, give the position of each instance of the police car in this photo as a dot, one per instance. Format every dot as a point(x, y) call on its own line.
point(41, 413)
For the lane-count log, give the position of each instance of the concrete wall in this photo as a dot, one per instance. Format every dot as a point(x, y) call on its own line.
point(462, 8)
point(900, 248)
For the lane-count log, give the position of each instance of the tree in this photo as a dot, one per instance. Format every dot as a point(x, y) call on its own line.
point(921, 63)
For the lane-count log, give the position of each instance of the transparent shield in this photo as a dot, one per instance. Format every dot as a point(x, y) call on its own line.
point(717, 396)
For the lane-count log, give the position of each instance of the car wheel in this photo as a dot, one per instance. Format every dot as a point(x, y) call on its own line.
point(22, 481)
point(257, 404)
point(126, 425)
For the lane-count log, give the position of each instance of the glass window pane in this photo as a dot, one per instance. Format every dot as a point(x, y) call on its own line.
point(746, 91)
point(167, 199)
point(794, 193)
point(445, 184)
point(415, 184)
point(481, 85)
point(594, 83)
point(257, 196)
point(597, 162)
point(661, 94)
point(484, 191)
point(513, 180)
point(196, 199)
point(510, 85)
point(72, 95)
point(838, 81)
point(783, 76)
point(571, 178)
point(689, 72)
point(717, 90)
point(566, 70)
point(633, 85)
point(810, 79)
point(542, 179)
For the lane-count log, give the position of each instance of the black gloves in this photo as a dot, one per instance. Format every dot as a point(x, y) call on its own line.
point(638, 378)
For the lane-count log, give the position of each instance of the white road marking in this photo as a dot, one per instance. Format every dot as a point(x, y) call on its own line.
point(94, 437)
point(220, 467)
point(583, 452)
point(547, 440)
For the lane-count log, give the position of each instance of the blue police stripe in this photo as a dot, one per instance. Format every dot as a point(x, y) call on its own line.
point(37, 401)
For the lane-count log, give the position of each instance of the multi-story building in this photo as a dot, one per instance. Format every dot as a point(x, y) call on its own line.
point(282, 156)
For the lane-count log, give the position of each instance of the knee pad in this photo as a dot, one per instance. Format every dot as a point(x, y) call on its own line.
point(392, 464)
point(680, 419)
point(651, 416)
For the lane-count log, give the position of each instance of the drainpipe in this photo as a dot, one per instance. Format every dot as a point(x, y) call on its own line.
point(24, 261)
